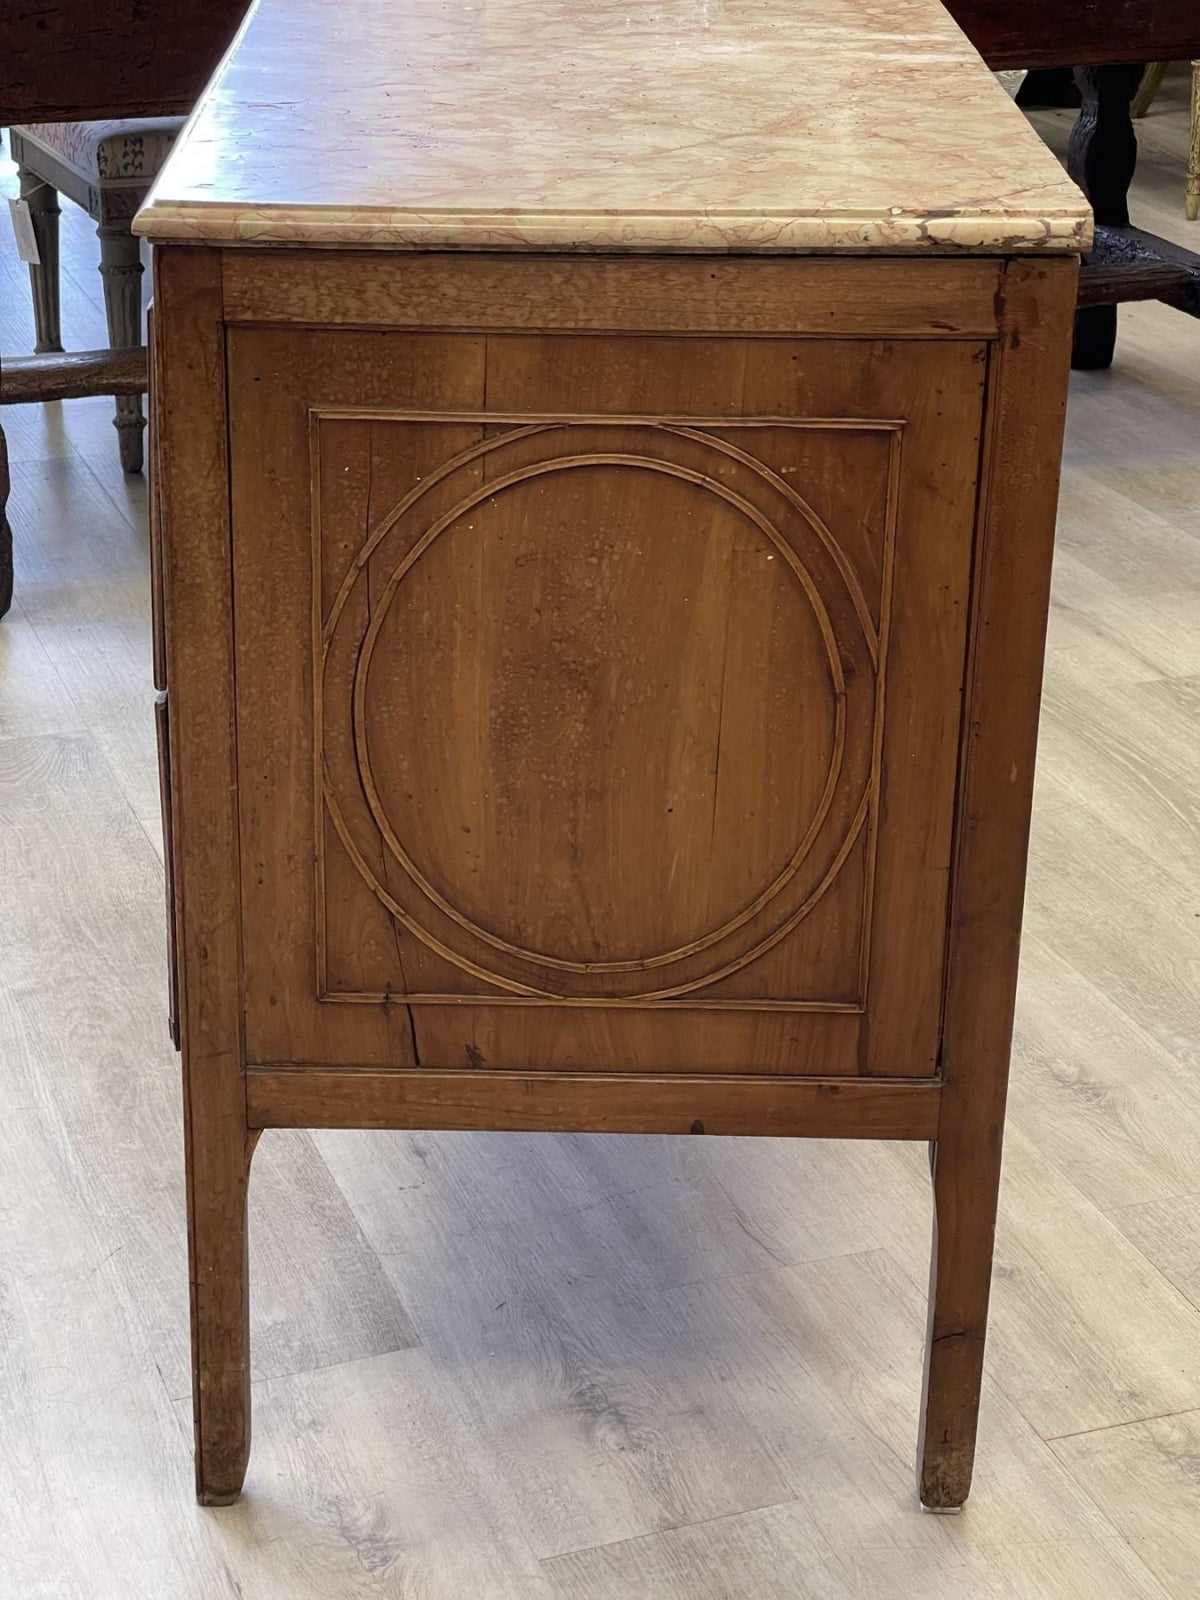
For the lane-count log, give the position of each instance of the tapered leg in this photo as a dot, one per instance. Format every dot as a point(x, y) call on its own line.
point(1101, 158)
point(1014, 553)
point(219, 1152)
point(965, 1188)
point(121, 269)
point(42, 201)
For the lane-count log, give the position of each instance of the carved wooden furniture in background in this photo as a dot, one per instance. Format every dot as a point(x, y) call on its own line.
point(600, 589)
point(71, 60)
point(1115, 39)
point(62, 376)
point(107, 169)
point(1126, 263)
point(78, 59)
point(1051, 33)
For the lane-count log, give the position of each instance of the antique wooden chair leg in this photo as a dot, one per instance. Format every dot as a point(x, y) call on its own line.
point(121, 269)
point(218, 1170)
point(1151, 83)
point(965, 1190)
point(6, 539)
point(1101, 158)
point(42, 201)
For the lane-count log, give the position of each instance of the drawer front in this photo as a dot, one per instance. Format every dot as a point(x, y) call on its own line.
point(598, 697)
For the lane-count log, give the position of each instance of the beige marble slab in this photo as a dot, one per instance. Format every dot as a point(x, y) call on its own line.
point(702, 125)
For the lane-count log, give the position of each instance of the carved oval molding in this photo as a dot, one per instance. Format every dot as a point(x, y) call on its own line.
point(537, 963)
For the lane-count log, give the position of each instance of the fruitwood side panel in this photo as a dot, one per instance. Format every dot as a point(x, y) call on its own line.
point(690, 536)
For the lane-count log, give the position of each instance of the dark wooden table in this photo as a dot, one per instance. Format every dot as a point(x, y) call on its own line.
point(82, 60)
point(1051, 33)
point(1113, 39)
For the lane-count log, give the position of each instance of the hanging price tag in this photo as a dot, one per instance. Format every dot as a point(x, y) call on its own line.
point(22, 222)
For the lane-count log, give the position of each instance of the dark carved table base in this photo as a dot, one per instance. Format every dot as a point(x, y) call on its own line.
point(1126, 264)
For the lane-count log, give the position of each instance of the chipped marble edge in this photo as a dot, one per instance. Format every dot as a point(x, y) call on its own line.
point(989, 233)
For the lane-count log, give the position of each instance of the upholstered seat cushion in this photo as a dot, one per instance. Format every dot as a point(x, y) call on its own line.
point(122, 154)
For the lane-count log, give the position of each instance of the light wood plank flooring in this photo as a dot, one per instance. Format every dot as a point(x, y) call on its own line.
point(570, 1368)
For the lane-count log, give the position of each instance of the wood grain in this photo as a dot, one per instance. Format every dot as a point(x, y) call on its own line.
point(71, 62)
point(194, 501)
point(72, 376)
point(1167, 1232)
point(564, 830)
point(310, 1098)
point(1011, 596)
point(828, 299)
point(1055, 33)
point(1144, 1477)
point(582, 744)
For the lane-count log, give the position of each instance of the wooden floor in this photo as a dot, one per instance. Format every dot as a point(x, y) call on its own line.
point(580, 1368)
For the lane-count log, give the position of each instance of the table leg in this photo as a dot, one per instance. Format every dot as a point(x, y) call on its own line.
point(218, 1172)
point(6, 549)
point(1000, 720)
point(1101, 158)
point(966, 1185)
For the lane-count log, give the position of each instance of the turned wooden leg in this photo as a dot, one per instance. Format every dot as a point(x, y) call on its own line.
point(219, 1152)
point(6, 541)
point(42, 201)
point(966, 1183)
point(121, 269)
point(1101, 158)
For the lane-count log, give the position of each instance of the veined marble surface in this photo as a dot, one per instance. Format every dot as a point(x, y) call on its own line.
point(701, 125)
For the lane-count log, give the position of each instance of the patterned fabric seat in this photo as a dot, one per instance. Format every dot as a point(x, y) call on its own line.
point(107, 168)
point(128, 154)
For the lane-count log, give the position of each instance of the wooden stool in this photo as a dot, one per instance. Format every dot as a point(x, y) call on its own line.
point(107, 168)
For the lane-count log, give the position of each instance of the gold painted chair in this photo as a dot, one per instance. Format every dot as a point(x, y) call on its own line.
point(1142, 101)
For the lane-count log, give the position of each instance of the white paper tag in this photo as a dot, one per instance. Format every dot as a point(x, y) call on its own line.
point(22, 223)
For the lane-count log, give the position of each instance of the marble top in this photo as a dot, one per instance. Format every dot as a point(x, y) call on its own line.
point(703, 125)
